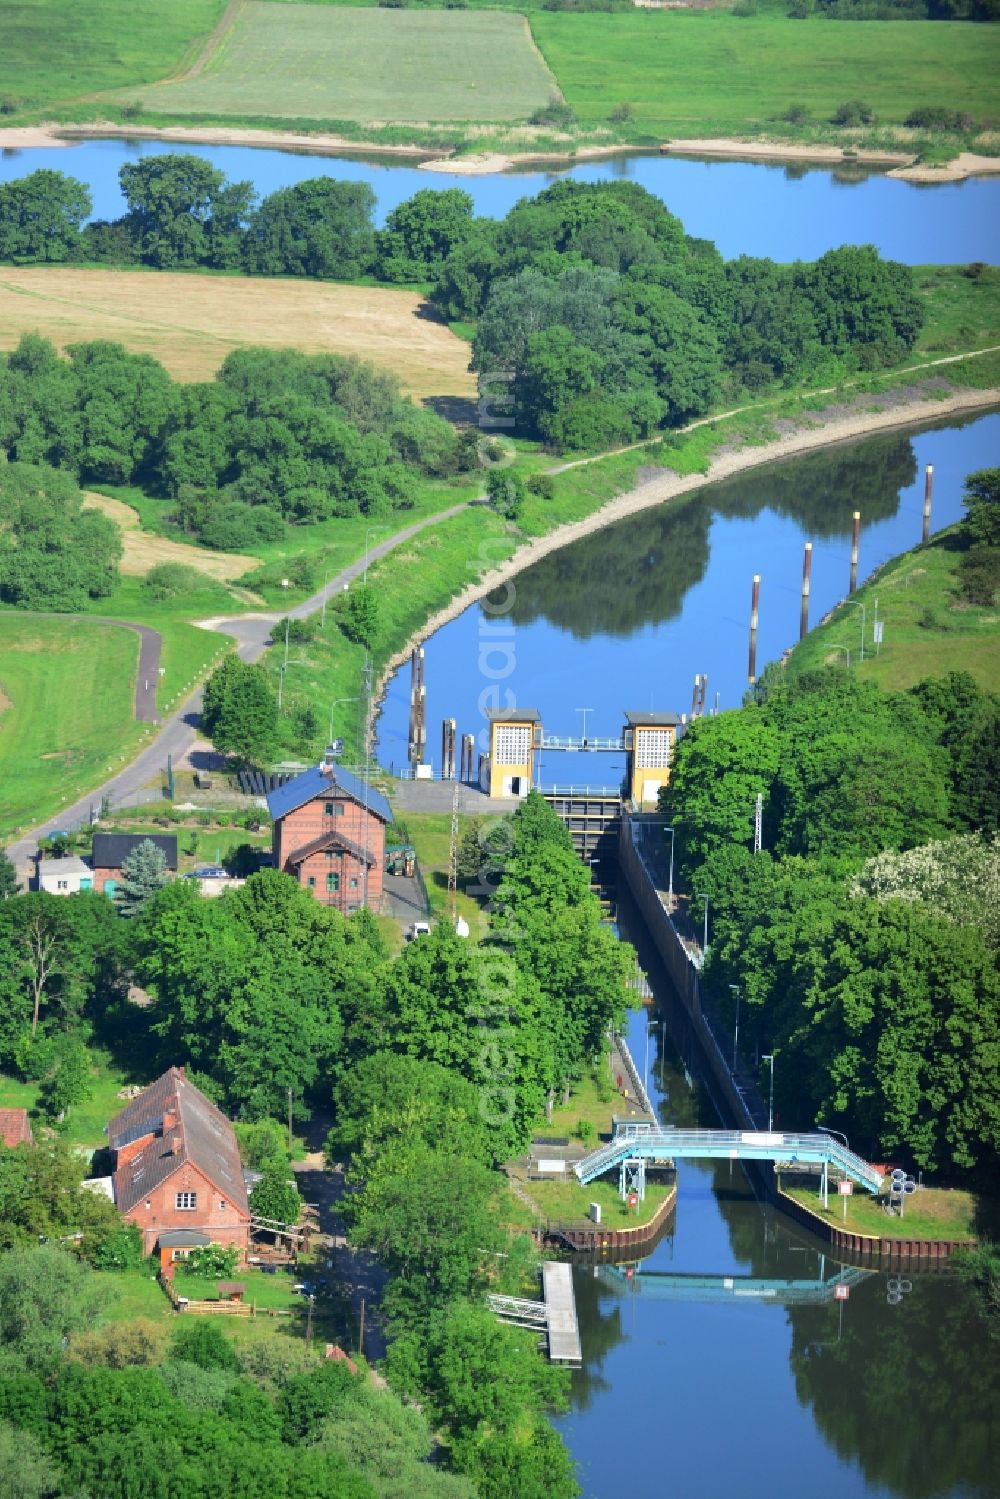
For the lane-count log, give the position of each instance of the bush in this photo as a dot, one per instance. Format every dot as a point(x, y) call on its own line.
point(854, 112)
point(235, 524)
point(213, 1262)
point(800, 10)
point(744, 8)
point(621, 114)
point(205, 1344)
point(299, 630)
point(796, 114)
point(933, 117)
point(121, 1249)
point(586, 1132)
point(543, 485)
point(979, 575)
point(556, 114)
point(9, 105)
point(505, 490)
point(168, 579)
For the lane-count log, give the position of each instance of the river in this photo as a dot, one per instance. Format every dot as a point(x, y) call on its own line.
point(748, 208)
point(682, 1398)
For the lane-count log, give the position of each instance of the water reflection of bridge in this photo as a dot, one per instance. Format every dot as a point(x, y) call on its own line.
point(666, 1285)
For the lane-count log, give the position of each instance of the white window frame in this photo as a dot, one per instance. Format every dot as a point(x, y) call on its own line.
point(186, 1202)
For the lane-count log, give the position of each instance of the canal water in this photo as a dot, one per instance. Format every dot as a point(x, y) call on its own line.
point(785, 212)
point(623, 619)
point(893, 1392)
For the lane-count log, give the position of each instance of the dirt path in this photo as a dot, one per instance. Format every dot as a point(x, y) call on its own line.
point(361, 1278)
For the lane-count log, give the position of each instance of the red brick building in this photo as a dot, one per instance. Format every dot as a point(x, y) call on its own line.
point(329, 834)
point(177, 1165)
point(112, 849)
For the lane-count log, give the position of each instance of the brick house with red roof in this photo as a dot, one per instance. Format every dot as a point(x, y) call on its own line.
point(329, 835)
point(177, 1165)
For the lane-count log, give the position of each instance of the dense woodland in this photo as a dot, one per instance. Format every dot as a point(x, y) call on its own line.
point(277, 437)
point(438, 1063)
point(864, 935)
point(598, 320)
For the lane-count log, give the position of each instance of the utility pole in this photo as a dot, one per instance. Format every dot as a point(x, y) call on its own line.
point(453, 854)
point(289, 1119)
point(361, 1330)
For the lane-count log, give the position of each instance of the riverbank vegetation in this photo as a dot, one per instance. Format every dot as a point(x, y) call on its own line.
point(929, 1213)
point(872, 984)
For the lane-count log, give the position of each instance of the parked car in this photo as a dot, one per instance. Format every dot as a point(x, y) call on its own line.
point(418, 929)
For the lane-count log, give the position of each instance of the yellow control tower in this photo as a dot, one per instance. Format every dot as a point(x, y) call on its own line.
point(515, 735)
point(649, 740)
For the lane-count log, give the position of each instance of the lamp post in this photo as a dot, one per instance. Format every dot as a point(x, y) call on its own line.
point(585, 711)
point(828, 1131)
point(736, 1028)
point(846, 653)
point(336, 703)
point(863, 621)
point(770, 1096)
point(670, 885)
point(371, 531)
point(699, 895)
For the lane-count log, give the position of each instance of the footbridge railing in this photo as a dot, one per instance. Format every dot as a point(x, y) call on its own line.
point(653, 1143)
point(662, 1285)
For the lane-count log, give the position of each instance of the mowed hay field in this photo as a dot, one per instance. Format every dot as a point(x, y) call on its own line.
point(322, 62)
point(143, 550)
point(68, 701)
point(705, 72)
point(189, 322)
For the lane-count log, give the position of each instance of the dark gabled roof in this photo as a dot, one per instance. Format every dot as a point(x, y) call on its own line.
point(183, 1238)
point(330, 781)
point(652, 720)
point(112, 849)
point(513, 715)
point(330, 840)
point(200, 1132)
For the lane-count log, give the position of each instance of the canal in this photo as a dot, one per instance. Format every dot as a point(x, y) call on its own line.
point(895, 1391)
point(892, 1392)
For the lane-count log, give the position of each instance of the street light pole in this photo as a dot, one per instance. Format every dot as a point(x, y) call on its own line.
point(828, 1131)
point(670, 886)
point(699, 895)
point(736, 1029)
point(862, 632)
point(335, 704)
point(770, 1097)
point(585, 711)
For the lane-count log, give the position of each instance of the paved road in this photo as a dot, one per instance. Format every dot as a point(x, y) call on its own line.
point(252, 633)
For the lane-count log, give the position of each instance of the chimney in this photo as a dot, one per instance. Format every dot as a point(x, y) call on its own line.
point(169, 1120)
point(175, 1144)
point(180, 1071)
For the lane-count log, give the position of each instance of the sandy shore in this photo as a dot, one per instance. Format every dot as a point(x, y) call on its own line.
point(820, 434)
point(900, 163)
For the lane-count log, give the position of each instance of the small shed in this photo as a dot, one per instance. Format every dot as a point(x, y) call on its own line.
point(231, 1290)
point(175, 1244)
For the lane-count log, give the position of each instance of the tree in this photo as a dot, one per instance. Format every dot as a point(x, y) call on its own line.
point(28, 1472)
point(982, 507)
point(69, 1084)
point(199, 1340)
point(53, 554)
point(9, 885)
point(45, 1296)
point(863, 305)
point(362, 614)
point(240, 711)
point(41, 216)
point(41, 1195)
point(387, 1100)
point(125, 404)
point(720, 766)
point(320, 227)
point(506, 492)
point(421, 233)
point(143, 873)
point(276, 1197)
point(171, 201)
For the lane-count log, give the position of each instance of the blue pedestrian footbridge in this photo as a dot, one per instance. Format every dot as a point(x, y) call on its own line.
point(654, 1144)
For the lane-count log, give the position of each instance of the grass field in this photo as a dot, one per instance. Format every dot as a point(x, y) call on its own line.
point(68, 689)
point(141, 551)
point(931, 1213)
point(53, 52)
point(928, 629)
point(318, 62)
point(85, 1123)
point(709, 72)
point(191, 322)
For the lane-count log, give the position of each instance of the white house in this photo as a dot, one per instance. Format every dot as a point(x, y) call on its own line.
point(64, 876)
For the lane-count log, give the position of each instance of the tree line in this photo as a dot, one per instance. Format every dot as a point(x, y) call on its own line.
point(275, 438)
point(439, 1063)
point(864, 936)
point(598, 319)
